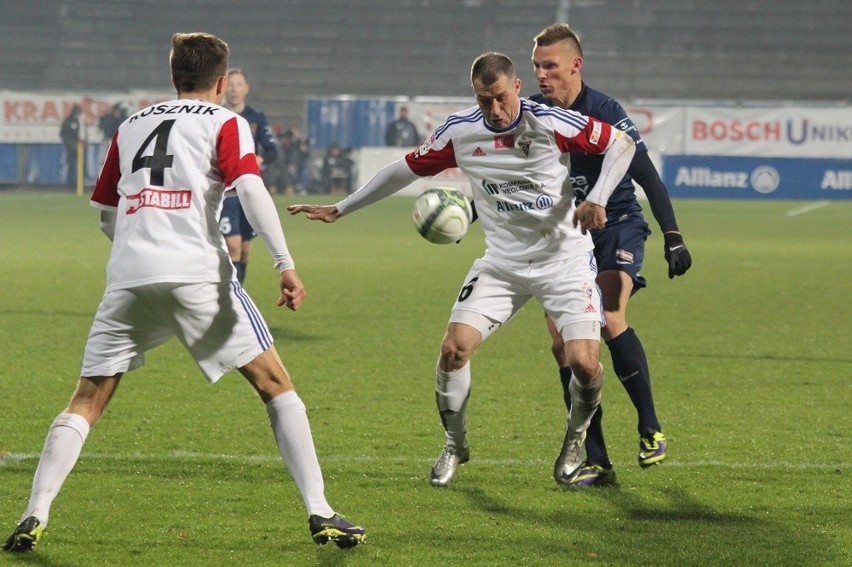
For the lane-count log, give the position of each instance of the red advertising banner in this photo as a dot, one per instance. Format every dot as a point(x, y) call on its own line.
point(30, 117)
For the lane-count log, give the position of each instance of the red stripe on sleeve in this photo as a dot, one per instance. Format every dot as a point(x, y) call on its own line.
point(232, 162)
point(106, 188)
point(425, 161)
point(593, 139)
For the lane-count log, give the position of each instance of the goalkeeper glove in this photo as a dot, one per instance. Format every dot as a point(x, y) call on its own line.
point(677, 255)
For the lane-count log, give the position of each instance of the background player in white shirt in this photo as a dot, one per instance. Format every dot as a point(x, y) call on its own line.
point(515, 154)
point(169, 274)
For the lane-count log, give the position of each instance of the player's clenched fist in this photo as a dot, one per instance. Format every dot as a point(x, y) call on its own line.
point(292, 290)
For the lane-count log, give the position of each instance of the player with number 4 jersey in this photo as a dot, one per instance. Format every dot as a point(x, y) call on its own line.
point(173, 185)
point(169, 275)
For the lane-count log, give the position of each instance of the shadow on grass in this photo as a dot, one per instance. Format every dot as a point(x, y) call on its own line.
point(290, 334)
point(674, 529)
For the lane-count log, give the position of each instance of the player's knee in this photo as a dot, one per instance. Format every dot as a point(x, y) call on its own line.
point(453, 355)
point(586, 369)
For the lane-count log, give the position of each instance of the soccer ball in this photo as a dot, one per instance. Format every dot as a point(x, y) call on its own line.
point(442, 215)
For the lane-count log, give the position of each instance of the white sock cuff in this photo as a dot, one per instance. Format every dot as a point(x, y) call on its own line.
point(73, 421)
point(285, 401)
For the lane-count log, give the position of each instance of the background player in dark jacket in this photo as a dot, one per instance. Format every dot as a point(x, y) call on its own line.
point(234, 224)
point(619, 246)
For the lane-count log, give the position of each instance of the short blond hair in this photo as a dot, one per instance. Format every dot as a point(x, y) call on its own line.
point(557, 33)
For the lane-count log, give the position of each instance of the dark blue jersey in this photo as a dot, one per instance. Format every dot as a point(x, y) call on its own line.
point(263, 140)
point(586, 168)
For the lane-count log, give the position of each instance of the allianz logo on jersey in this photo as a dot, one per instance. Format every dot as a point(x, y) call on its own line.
point(541, 203)
point(763, 179)
point(159, 199)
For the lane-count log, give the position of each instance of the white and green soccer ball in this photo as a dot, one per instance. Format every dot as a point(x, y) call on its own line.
point(442, 215)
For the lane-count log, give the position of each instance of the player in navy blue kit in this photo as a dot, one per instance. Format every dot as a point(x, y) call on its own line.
point(619, 248)
point(233, 222)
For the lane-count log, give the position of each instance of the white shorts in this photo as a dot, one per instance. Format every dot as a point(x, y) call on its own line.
point(494, 293)
point(217, 323)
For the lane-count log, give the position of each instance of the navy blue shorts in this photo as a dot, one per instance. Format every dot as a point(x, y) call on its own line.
point(620, 246)
point(233, 221)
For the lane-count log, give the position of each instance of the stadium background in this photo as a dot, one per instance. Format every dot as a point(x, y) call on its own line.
point(731, 52)
point(683, 49)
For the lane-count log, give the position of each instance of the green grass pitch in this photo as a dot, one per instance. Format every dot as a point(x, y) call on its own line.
point(750, 354)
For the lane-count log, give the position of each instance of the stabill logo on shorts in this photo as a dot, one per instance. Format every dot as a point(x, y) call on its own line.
point(159, 199)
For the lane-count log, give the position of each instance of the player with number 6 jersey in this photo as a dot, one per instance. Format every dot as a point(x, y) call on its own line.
point(515, 154)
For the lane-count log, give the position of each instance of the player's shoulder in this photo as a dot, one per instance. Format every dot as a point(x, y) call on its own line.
point(600, 105)
point(552, 116)
point(460, 122)
point(253, 115)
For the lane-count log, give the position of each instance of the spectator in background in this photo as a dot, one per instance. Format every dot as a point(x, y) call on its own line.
point(70, 134)
point(336, 171)
point(110, 121)
point(402, 132)
point(282, 171)
point(233, 222)
point(302, 168)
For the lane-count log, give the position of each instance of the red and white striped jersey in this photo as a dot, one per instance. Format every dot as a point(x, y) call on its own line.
point(164, 175)
point(519, 176)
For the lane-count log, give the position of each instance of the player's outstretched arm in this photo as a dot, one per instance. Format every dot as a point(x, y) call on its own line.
point(325, 213)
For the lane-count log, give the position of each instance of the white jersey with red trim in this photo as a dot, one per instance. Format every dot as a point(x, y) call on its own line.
point(519, 176)
point(164, 175)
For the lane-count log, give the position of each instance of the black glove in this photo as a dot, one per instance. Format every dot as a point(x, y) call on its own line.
point(677, 256)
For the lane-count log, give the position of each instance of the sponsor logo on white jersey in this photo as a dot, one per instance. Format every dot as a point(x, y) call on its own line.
point(510, 187)
point(159, 199)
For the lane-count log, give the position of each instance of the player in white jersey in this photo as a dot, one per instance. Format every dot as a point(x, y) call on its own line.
point(169, 275)
point(515, 153)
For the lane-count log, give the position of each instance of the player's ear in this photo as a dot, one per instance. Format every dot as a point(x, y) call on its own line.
point(578, 64)
point(221, 84)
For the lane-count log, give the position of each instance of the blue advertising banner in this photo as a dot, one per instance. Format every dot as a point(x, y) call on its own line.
point(9, 163)
point(729, 177)
point(349, 122)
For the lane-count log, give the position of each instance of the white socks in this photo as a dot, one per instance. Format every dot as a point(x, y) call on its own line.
point(584, 401)
point(292, 431)
point(452, 390)
point(61, 449)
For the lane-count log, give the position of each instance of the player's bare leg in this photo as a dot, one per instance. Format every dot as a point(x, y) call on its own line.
point(292, 430)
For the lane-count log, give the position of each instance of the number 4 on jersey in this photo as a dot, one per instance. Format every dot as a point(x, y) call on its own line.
point(159, 160)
